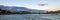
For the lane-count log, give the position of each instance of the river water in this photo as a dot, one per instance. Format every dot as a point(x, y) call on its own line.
point(30, 17)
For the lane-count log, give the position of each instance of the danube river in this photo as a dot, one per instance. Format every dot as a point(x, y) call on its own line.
point(30, 17)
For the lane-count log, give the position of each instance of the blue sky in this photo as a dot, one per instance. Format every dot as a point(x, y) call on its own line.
point(32, 4)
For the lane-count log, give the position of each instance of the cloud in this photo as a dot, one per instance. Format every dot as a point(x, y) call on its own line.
point(42, 4)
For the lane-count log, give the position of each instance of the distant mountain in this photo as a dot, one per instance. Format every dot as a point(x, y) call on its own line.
point(21, 9)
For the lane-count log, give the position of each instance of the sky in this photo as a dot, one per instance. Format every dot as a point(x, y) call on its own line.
point(52, 5)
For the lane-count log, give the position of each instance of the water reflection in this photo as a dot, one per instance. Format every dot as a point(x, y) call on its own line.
point(30, 17)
